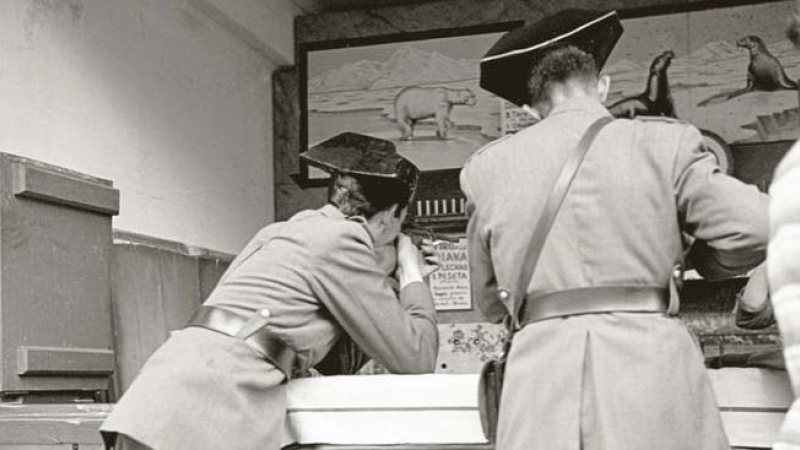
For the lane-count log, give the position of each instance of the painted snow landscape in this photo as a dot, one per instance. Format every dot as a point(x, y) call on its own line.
point(354, 89)
point(709, 63)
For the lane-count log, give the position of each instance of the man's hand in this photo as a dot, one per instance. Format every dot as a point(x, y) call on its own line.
point(753, 308)
point(408, 261)
point(430, 260)
point(387, 258)
point(756, 292)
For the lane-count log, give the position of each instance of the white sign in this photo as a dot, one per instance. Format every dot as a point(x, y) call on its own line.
point(513, 118)
point(450, 284)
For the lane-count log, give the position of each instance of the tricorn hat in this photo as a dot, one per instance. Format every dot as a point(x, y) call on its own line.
point(362, 156)
point(505, 68)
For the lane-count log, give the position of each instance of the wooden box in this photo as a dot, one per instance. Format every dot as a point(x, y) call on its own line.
point(55, 307)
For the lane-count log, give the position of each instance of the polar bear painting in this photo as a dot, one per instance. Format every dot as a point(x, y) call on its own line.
point(416, 103)
point(423, 95)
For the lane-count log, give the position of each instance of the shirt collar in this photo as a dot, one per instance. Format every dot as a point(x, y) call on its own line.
point(331, 211)
point(579, 104)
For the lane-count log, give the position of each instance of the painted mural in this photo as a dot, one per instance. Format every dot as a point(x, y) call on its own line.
point(423, 95)
point(730, 71)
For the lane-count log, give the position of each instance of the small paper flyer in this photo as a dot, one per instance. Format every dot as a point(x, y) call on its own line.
point(514, 118)
point(450, 284)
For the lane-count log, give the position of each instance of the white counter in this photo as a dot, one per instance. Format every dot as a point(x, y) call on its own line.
point(443, 409)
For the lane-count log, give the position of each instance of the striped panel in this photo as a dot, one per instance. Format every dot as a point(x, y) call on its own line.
point(440, 207)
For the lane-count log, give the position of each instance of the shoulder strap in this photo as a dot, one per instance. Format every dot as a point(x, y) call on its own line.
point(554, 201)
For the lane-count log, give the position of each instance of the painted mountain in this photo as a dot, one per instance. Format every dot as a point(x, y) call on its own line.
point(350, 77)
point(405, 67)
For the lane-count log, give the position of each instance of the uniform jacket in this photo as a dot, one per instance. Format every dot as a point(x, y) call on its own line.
point(317, 274)
point(608, 380)
point(783, 269)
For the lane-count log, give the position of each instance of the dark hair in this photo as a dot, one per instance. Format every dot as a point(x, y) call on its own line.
point(366, 196)
point(559, 65)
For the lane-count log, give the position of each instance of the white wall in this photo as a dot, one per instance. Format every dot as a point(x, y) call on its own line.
point(158, 96)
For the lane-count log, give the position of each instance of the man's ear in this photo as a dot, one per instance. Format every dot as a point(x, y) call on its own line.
point(603, 87)
point(388, 215)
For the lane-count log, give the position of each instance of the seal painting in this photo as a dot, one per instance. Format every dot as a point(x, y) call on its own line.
point(656, 100)
point(764, 73)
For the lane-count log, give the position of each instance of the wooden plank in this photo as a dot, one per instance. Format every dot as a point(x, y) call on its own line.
point(54, 447)
point(38, 183)
point(393, 447)
point(392, 392)
point(212, 266)
point(154, 292)
point(285, 125)
point(742, 388)
point(752, 429)
point(32, 360)
point(52, 425)
point(374, 427)
point(452, 14)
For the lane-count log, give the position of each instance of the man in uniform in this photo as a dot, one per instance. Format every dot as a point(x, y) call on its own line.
point(598, 363)
point(298, 289)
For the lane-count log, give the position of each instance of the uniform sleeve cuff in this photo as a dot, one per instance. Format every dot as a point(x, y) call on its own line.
point(417, 295)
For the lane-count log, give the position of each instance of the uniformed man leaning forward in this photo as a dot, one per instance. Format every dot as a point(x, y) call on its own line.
point(610, 379)
point(298, 289)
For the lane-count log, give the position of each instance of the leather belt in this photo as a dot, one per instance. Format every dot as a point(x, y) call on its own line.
point(251, 330)
point(595, 300)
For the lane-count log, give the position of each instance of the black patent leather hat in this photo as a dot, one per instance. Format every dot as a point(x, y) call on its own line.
point(361, 156)
point(505, 68)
